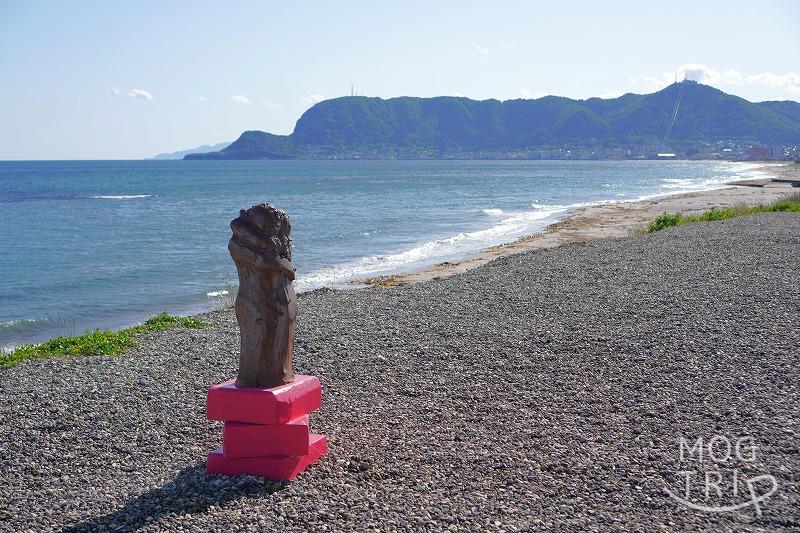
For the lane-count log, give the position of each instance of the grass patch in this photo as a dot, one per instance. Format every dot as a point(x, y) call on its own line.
point(790, 204)
point(165, 321)
point(98, 342)
point(665, 220)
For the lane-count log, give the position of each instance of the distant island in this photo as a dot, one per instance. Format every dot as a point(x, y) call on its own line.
point(200, 149)
point(683, 120)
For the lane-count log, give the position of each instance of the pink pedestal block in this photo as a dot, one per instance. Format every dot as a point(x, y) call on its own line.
point(280, 468)
point(253, 405)
point(256, 440)
point(266, 431)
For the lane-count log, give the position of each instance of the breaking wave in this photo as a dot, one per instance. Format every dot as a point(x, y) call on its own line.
point(460, 245)
point(121, 196)
point(216, 294)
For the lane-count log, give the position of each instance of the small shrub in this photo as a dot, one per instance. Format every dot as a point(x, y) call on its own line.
point(193, 323)
point(160, 322)
point(164, 321)
point(665, 220)
point(715, 214)
point(790, 204)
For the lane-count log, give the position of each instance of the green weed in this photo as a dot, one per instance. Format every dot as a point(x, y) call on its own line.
point(97, 342)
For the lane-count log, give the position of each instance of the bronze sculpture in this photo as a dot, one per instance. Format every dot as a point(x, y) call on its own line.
point(266, 305)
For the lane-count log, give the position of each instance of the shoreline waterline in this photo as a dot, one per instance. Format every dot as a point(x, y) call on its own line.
point(601, 216)
point(554, 214)
point(495, 228)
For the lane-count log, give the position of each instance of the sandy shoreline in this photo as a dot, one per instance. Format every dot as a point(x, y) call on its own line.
point(610, 221)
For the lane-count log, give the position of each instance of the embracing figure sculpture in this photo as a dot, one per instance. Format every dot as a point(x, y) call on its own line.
point(266, 408)
point(266, 305)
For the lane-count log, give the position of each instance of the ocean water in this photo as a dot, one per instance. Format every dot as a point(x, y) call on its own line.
point(87, 244)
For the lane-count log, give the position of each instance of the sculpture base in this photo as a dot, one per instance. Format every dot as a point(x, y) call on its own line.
point(276, 467)
point(270, 405)
point(256, 440)
point(266, 430)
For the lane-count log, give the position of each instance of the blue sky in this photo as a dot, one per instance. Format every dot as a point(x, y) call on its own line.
point(114, 80)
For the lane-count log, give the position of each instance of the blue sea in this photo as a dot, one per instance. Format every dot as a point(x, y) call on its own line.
point(105, 244)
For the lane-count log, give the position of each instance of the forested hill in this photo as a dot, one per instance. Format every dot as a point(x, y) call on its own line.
point(455, 126)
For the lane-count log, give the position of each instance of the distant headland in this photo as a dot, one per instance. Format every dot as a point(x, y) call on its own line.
point(200, 149)
point(685, 120)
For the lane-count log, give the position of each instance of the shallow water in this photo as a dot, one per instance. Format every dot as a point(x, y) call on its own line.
point(87, 244)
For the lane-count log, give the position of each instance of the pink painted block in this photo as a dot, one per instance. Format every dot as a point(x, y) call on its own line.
point(253, 405)
point(278, 468)
point(256, 440)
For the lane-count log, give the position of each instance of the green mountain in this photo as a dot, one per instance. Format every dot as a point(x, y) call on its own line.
point(407, 127)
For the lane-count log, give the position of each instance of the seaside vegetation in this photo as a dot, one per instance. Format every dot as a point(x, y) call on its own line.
point(790, 204)
point(98, 342)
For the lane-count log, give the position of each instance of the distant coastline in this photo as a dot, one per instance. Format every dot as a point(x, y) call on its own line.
point(180, 154)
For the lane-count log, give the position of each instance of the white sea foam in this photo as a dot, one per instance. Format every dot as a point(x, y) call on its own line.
point(724, 175)
point(12, 324)
point(121, 196)
point(493, 211)
point(539, 205)
point(514, 226)
point(678, 181)
point(16, 326)
point(687, 185)
point(216, 294)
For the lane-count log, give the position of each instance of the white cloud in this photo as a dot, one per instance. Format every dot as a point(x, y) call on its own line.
point(711, 76)
point(790, 80)
point(610, 94)
point(734, 77)
point(271, 104)
point(528, 94)
point(699, 73)
point(140, 94)
point(240, 99)
point(114, 91)
point(482, 50)
point(198, 98)
point(313, 99)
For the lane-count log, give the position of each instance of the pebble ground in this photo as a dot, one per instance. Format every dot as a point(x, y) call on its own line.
point(541, 391)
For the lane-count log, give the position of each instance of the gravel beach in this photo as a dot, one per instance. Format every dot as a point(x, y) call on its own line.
point(544, 390)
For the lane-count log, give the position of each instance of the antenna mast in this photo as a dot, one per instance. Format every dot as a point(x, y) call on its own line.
point(675, 111)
